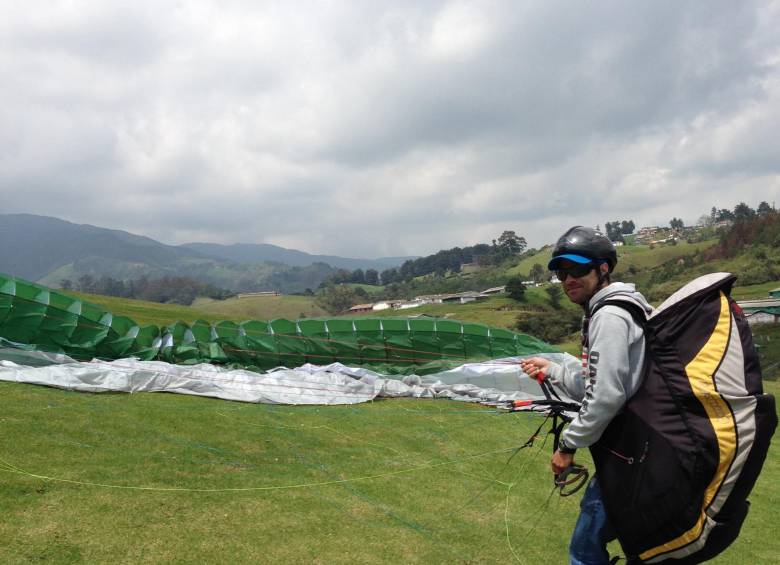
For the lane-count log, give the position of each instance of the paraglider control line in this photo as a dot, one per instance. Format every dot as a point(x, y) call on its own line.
point(9, 468)
point(328, 428)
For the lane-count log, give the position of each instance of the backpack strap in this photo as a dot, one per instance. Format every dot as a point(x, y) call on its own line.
point(637, 312)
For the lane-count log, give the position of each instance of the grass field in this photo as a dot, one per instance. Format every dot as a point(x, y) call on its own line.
point(638, 256)
point(767, 339)
point(754, 291)
point(144, 312)
point(262, 307)
point(236, 309)
point(99, 478)
point(642, 257)
point(499, 311)
point(496, 311)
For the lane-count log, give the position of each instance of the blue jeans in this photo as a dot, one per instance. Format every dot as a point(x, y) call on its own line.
point(593, 530)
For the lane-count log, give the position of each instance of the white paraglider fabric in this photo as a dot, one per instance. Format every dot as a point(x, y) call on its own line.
point(491, 381)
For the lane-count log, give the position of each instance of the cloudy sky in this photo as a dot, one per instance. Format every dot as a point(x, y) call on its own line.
point(370, 129)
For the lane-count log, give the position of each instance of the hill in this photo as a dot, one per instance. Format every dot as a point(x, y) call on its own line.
point(49, 250)
point(264, 252)
point(34, 247)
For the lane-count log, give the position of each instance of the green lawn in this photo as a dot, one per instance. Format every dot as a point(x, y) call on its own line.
point(638, 256)
point(262, 307)
point(144, 312)
point(499, 311)
point(755, 291)
point(237, 309)
point(118, 478)
point(642, 257)
point(767, 338)
point(523, 268)
point(369, 288)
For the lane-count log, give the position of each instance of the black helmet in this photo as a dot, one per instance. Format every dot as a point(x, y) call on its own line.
point(584, 245)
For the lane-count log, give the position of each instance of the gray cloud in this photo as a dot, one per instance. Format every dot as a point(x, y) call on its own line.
point(381, 128)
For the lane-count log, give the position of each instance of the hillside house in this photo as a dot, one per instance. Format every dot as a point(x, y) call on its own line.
point(357, 308)
point(647, 234)
point(494, 290)
point(430, 298)
point(462, 298)
point(261, 293)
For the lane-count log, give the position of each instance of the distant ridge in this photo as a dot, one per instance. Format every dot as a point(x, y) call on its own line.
point(48, 250)
point(262, 252)
point(34, 246)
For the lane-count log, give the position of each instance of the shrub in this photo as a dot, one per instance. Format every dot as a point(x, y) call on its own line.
point(552, 327)
point(515, 289)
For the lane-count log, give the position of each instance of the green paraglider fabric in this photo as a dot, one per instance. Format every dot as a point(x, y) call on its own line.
point(35, 316)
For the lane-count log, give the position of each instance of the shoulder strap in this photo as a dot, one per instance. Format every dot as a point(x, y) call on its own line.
point(636, 311)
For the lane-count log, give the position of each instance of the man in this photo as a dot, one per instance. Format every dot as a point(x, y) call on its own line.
point(612, 361)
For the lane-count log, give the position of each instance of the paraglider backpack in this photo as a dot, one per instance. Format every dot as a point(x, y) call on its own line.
point(677, 464)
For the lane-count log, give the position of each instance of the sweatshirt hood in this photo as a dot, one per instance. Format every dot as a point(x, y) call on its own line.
point(620, 291)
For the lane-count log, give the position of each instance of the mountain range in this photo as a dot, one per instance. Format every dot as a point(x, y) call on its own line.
point(48, 250)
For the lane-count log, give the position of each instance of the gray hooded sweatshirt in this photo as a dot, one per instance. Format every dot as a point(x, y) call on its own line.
point(612, 366)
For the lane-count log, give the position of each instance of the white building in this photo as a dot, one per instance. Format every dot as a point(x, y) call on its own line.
point(385, 305)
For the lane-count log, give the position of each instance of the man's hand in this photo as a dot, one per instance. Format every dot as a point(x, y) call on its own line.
point(535, 367)
point(561, 461)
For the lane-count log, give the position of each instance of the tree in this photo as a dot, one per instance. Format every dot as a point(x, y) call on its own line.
point(537, 273)
point(372, 277)
point(555, 293)
point(511, 243)
point(86, 283)
point(614, 231)
point(551, 327)
point(358, 276)
point(743, 212)
point(515, 289)
point(677, 224)
point(627, 227)
point(341, 276)
point(66, 284)
point(390, 276)
point(725, 215)
point(764, 208)
point(337, 298)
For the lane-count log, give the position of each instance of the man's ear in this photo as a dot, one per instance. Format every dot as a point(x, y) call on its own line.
point(604, 268)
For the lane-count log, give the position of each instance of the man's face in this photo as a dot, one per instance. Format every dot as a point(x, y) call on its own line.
point(579, 289)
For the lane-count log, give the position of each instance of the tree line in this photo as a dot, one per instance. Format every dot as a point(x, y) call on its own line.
point(507, 245)
point(178, 290)
point(750, 230)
